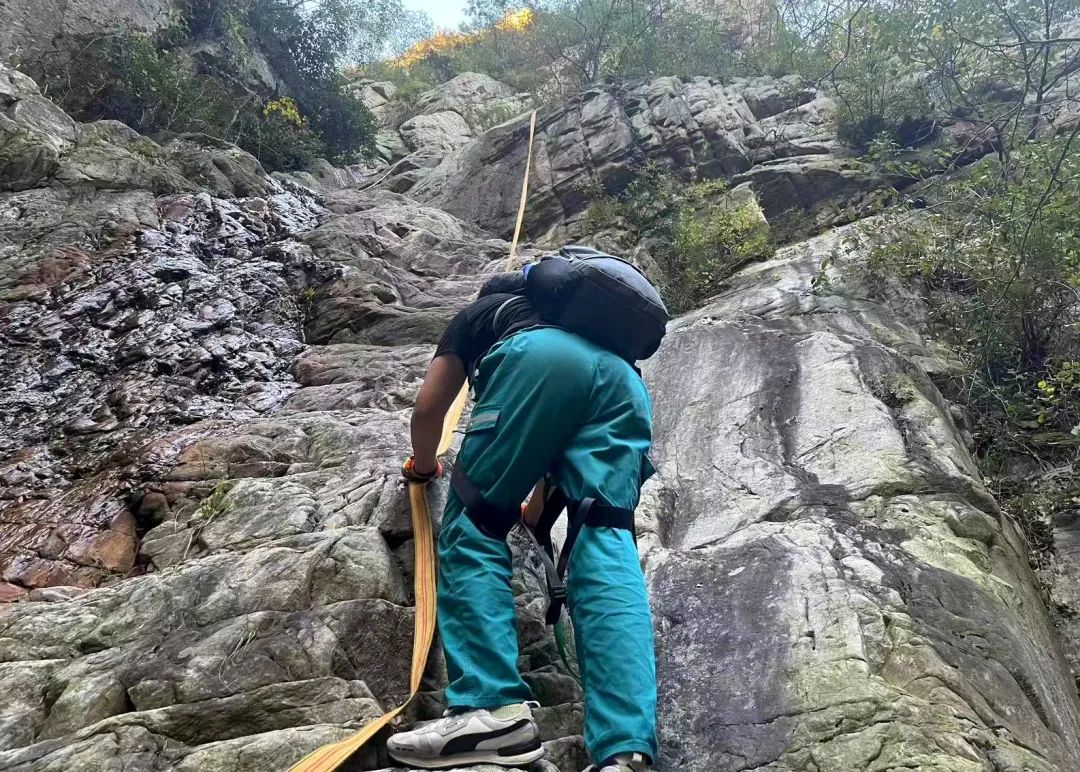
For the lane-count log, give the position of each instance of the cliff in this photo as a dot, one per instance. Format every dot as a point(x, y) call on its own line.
point(208, 379)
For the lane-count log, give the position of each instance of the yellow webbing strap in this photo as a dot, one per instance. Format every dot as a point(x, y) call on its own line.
point(524, 195)
point(330, 757)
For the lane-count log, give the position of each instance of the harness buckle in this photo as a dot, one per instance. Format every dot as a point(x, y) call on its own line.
point(557, 593)
point(556, 600)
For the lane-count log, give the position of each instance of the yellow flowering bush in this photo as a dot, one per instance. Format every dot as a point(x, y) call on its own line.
point(286, 109)
point(444, 42)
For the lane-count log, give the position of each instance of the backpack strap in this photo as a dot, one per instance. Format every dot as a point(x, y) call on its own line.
point(498, 312)
point(472, 367)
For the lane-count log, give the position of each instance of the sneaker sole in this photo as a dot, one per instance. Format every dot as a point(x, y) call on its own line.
point(479, 757)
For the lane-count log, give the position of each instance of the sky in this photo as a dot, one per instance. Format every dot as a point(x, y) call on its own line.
point(447, 14)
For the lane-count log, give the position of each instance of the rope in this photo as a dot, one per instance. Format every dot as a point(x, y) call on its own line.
point(453, 415)
point(559, 630)
point(524, 195)
point(330, 757)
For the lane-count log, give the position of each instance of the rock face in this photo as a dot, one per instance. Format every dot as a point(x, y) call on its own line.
point(442, 119)
point(772, 133)
point(767, 133)
point(209, 376)
point(37, 29)
point(126, 314)
point(833, 587)
point(444, 130)
point(479, 99)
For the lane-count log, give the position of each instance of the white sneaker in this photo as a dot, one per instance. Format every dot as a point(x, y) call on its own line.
point(507, 737)
point(623, 762)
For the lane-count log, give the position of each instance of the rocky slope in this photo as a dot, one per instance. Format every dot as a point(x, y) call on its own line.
point(439, 120)
point(38, 32)
point(209, 378)
point(764, 133)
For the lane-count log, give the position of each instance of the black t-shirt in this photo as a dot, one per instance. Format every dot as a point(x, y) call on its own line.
point(479, 325)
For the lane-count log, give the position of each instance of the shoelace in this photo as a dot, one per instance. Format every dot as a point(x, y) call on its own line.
point(457, 711)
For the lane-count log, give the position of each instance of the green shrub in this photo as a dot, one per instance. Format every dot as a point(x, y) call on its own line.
point(282, 136)
point(483, 118)
point(876, 89)
point(1032, 502)
point(156, 91)
point(998, 257)
point(712, 239)
point(153, 90)
point(698, 234)
point(155, 85)
point(306, 50)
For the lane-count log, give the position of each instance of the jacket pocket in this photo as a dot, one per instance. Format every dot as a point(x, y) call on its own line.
point(483, 419)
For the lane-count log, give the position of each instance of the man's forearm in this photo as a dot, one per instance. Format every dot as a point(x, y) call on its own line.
point(426, 431)
point(443, 381)
point(531, 514)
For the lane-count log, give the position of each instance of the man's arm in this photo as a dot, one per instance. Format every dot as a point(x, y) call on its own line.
point(531, 513)
point(442, 383)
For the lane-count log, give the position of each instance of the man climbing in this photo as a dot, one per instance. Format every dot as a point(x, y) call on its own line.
point(551, 403)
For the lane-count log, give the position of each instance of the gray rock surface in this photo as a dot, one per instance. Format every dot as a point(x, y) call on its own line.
point(1066, 583)
point(440, 120)
point(480, 99)
point(1061, 108)
point(765, 132)
point(207, 396)
point(441, 131)
point(31, 30)
point(379, 97)
point(33, 133)
point(698, 125)
point(829, 573)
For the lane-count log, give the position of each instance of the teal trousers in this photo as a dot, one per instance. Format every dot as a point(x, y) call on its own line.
point(550, 401)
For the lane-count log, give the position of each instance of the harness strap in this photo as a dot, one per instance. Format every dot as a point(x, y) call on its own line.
point(497, 524)
point(492, 521)
point(587, 512)
point(556, 586)
point(602, 515)
point(555, 502)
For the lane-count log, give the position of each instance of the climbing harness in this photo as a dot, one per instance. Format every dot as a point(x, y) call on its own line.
point(330, 757)
point(591, 513)
point(497, 524)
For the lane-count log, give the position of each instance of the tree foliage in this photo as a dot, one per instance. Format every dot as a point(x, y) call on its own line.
point(698, 233)
point(222, 65)
point(568, 43)
point(997, 247)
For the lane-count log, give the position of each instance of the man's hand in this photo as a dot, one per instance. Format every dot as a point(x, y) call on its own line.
point(415, 473)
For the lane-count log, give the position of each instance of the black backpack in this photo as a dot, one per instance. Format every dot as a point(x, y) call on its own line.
point(600, 297)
